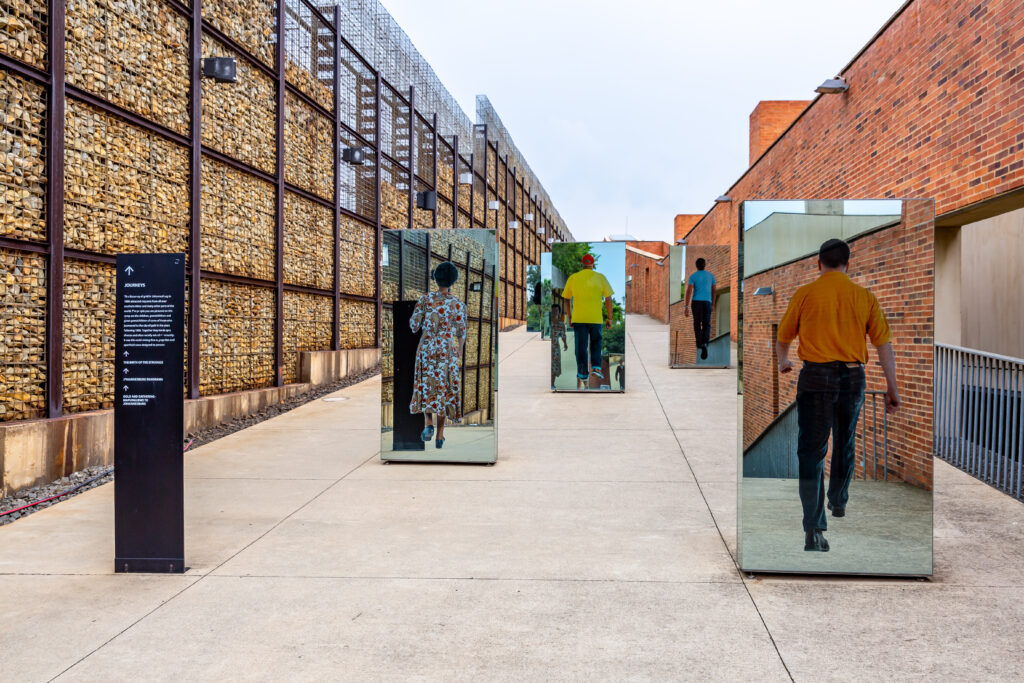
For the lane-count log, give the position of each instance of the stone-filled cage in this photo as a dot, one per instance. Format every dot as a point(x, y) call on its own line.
point(113, 142)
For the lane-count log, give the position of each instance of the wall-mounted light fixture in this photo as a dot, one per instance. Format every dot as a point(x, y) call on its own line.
point(629, 279)
point(681, 241)
point(220, 69)
point(634, 265)
point(513, 225)
point(764, 291)
point(353, 155)
point(492, 206)
point(426, 200)
point(551, 240)
point(540, 231)
point(723, 199)
point(465, 179)
point(385, 261)
point(528, 217)
point(833, 86)
point(476, 286)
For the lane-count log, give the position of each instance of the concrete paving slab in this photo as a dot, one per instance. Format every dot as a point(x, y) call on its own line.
point(329, 629)
point(906, 631)
point(51, 622)
point(283, 454)
point(560, 455)
point(542, 530)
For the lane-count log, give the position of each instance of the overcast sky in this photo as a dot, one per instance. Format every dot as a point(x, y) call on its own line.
point(635, 111)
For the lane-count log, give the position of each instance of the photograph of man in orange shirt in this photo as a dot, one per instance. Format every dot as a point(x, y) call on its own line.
point(831, 317)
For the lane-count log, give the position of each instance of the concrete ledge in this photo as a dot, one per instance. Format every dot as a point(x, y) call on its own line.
point(317, 368)
point(35, 452)
point(210, 411)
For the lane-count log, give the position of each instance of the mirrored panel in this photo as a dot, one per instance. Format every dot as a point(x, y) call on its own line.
point(439, 338)
point(700, 316)
point(836, 405)
point(545, 295)
point(588, 316)
point(533, 299)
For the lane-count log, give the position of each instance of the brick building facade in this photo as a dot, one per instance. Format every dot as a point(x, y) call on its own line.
point(896, 264)
point(934, 109)
point(647, 279)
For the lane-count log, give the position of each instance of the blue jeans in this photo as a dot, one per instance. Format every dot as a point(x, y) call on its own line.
point(588, 337)
point(829, 397)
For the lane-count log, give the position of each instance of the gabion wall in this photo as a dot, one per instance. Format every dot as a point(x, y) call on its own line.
point(273, 215)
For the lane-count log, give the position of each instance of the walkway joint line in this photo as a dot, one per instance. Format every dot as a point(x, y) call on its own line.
point(682, 451)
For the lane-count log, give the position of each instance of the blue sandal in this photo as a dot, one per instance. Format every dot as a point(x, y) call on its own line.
point(428, 433)
point(439, 443)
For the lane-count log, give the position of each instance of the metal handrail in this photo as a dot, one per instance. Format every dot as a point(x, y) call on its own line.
point(979, 415)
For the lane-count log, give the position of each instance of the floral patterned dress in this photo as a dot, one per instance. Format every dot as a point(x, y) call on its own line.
point(557, 332)
point(437, 384)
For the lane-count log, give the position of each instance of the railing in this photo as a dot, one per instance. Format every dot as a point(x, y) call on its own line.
point(979, 415)
point(773, 453)
point(874, 396)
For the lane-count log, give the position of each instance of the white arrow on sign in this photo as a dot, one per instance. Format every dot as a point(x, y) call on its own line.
point(125, 387)
point(126, 371)
point(129, 270)
point(125, 354)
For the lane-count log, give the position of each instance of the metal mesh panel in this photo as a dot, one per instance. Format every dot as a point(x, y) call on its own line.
point(309, 53)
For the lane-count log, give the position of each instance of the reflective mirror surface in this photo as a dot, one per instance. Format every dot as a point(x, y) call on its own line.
point(439, 345)
point(836, 408)
point(588, 321)
point(533, 299)
point(700, 319)
point(545, 295)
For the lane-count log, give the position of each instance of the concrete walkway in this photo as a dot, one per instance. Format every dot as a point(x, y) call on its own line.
point(599, 547)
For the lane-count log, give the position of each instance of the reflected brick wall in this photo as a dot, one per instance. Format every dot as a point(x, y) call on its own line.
point(682, 346)
point(896, 264)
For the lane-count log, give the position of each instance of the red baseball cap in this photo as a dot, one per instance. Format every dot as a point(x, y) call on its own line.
point(588, 259)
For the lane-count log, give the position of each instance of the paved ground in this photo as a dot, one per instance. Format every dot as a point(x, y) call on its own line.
point(599, 547)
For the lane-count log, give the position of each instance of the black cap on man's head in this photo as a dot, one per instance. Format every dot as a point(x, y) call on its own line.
point(834, 253)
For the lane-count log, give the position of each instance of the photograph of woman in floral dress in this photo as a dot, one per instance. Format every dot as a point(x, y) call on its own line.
point(437, 383)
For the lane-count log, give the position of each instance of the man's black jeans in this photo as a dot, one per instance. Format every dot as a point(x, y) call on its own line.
point(829, 397)
point(701, 321)
point(588, 338)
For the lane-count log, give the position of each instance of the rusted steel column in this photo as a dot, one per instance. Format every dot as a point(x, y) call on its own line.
point(55, 213)
point(195, 186)
point(279, 204)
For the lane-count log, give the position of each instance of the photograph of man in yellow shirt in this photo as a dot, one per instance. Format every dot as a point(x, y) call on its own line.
point(831, 316)
point(584, 293)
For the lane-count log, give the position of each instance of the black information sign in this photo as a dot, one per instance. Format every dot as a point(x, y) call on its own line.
point(149, 518)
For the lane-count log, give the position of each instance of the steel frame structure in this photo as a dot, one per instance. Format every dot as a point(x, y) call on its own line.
point(52, 79)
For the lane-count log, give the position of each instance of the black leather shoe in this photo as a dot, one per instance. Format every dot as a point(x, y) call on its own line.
point(704, 352)
point(813, 540)
point(837, 511)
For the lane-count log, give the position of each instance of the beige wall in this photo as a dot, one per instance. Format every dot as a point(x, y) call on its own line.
point(947, 286)
point(804, 233)
point(992, 285)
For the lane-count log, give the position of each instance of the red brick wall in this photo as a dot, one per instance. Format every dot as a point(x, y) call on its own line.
point(897, 265)
point(682, 348)
point(647, 292)
point(769, 120)
point(684, 222)
point(935, 109)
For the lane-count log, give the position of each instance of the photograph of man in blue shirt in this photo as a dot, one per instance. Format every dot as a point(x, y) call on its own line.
point(700, 293)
